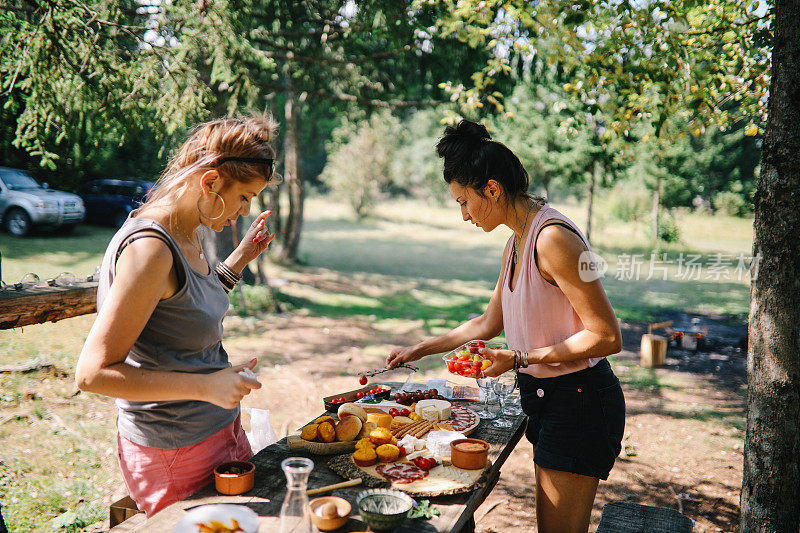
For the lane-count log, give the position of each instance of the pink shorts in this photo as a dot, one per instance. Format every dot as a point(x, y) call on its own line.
point(157, 477)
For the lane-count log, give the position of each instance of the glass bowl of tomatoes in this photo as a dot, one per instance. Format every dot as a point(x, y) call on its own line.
point(467, 361)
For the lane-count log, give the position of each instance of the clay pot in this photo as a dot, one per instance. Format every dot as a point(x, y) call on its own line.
point(470, 459)
point(234, 483)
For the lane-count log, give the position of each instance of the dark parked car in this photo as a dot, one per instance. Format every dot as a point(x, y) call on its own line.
point(109, 201)
point(25, 203)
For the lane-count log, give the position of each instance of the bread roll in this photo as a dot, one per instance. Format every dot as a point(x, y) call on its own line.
point(323, 418)
point(365, 457)
point(366, 429)
point(387, 453)
point(380, 436)
point(365, 443)
point(347, 409)
point(326, 432)
point(348, 428)
point(309, 432)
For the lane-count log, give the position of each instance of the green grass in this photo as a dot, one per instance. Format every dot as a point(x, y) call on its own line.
point(48, 254)
point(433, 245)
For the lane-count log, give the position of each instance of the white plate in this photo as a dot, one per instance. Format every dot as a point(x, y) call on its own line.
point(223, 512)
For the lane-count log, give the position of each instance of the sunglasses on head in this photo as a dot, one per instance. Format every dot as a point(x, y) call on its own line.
point(255, 160)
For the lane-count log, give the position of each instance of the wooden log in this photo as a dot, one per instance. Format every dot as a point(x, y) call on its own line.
point(653, 350)
point(46, 304)
point(658, 325)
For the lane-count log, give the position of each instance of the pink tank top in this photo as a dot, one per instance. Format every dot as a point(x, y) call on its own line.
point(536, 313)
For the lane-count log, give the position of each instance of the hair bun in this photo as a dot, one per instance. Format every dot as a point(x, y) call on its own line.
point(464, 137)
point(262, 127)
point(471, 130)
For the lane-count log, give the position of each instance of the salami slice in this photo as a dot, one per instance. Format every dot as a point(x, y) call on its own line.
point(401, 472)
point(461, 418)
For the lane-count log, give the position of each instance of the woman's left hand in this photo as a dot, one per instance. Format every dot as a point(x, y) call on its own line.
point(255, 241)
point(502, 361)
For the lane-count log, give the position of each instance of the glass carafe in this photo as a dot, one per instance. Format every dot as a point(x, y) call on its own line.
point(295, 516)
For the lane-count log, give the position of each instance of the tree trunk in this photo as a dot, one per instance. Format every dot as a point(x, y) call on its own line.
point(593, 179)
point(770, 499)
point(293, 225)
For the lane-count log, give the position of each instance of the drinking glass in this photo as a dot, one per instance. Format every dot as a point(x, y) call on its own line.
point(486, 385)
point(512, 405)
point(503, 387)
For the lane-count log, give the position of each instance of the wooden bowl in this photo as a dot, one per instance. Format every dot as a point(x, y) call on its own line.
point(234, 483)
point(469, 459)
point(350, 396)
point(343, 509)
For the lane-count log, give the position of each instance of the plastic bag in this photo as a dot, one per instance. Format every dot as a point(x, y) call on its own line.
point(261, 433)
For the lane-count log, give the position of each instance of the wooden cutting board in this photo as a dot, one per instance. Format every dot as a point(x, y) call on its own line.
point(435, 484)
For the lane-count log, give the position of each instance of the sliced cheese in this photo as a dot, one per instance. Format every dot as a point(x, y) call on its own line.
point(433, 410)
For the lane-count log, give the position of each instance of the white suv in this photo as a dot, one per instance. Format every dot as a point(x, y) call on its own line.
point(24, 203)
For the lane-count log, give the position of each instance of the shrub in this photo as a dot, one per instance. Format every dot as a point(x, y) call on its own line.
point(731, 204)
point(358, 169)
point(668, 228)
point(630, 205)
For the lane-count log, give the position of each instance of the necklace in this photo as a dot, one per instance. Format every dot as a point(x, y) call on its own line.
point(198, 248)
point(524, 225)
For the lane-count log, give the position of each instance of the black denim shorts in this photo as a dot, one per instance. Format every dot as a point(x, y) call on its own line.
point(576, 421)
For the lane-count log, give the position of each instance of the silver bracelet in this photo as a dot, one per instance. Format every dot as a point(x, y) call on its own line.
point(226, 271)
point(525, 358)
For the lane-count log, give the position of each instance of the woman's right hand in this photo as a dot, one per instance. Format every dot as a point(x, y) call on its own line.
point(403, 355)
point(227, 387)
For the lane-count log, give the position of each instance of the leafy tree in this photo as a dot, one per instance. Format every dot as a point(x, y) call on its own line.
point(358, 168)
point(415, 167)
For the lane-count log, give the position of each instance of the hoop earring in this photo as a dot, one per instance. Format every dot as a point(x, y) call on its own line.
point(212, 218)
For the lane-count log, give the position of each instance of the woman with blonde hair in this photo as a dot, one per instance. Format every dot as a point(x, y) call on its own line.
point(156, 344)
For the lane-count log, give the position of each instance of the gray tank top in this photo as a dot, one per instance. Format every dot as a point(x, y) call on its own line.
point(184, 334)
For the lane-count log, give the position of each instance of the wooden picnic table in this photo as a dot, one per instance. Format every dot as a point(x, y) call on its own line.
point(267, 495)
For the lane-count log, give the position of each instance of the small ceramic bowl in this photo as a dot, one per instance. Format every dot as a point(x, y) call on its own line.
point(474, 458)
point(383, 509)
point(343, 509)
point(234, 477)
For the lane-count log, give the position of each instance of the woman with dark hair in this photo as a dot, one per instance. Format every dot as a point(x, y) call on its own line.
point(558, 323)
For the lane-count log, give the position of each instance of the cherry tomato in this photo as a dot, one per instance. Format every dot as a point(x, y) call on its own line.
point(363, 380)
point(402, 450)
point(393, 412)
point(404, 412)
point(451, 366)
point(359, 395)
point(464, 357)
